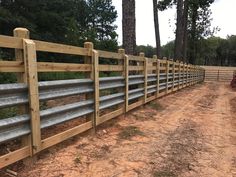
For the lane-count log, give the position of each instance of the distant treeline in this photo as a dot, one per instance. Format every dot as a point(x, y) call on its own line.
point(210, 51)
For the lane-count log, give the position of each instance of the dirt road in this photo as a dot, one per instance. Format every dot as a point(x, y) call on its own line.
point(190, 133)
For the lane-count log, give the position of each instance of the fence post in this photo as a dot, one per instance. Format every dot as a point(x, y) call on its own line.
point(167, 74)
point(126, 83)
point(141, 54)
point(179, 74)
point(22, 77)
point(95, 62)
point(173, 75)
point(218, 75)
point(187, 75)
point(32, 75)
point(124, 74)
point(88, 60)
point(158, 74)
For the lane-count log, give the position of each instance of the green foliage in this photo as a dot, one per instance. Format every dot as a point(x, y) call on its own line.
point(168, 50)
point(64, 21)
point(148, 50)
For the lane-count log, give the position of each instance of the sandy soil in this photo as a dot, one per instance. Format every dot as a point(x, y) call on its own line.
point(191, 133)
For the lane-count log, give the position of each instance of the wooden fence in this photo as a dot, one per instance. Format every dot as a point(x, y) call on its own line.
point(218, 73)
point(138, 80)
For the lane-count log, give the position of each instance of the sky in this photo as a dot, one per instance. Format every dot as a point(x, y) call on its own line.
point(223, 14)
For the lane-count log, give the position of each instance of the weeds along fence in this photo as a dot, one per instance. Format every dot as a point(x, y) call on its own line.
point(49, 112)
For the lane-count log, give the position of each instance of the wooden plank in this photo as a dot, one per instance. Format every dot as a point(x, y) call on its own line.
point(151, 68)
point(61, 48)
point(162, 68)
point(66, 135)
point(109, 116)
point(110, 55)
point(14, 156)
point(136, 104)
point(63, 67)
point(111, 68)
point(95, 58)
point(136, 68)
point(151, 98)
point(12, 66)
point(30, 60)
point(11, 42)
point(135, 58)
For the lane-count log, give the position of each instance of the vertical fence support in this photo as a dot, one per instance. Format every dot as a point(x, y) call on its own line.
point(123, 62)
point(179, 74)
point(22, 77)
point(173, 76)
point(167, 75)
point(158, 75)
point(145, 79)
point(218, 75)
point(88, 60)
point(126, 83)
point(141, 54)
point(187, 71)
point(32, 74)
point(95, 62)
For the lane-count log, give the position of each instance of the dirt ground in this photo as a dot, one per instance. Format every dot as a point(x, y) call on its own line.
point(191, 133)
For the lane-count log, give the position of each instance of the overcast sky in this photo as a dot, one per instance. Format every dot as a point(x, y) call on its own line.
point(223, 14)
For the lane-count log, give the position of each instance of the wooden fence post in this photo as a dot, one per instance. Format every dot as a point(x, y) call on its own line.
point(145, 76)
point(218, 75)
point(179, 74)
point(173, 76)
point(158, 75)
point(124, 74)
point(167, 75)
point(126, 83)
point(22, 77)
point(95, 62)
point(32, 75)
point(88, 60)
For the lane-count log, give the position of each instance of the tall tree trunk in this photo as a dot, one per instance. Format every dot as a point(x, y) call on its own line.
point(179, 31)
point(157, 31)
point(185, 30)
point(192, 56)
point(129, 26)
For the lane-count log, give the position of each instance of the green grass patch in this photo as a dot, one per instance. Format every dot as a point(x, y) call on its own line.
point(164, 174)
point(157, 106)
point(129, 132)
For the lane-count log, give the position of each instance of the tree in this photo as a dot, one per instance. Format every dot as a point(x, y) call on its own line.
point(179, 31)
point(129, 26)
point(157, 31)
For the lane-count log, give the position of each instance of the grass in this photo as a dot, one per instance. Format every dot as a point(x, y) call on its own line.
point(164, 174)
point(129, 132)
point(77, 159)
point(157, 106)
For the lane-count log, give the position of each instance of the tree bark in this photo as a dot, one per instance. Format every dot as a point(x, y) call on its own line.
point(185, 30)
point(129, 26)
point(192, 56)
point(179, 31)
point(157, 31)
